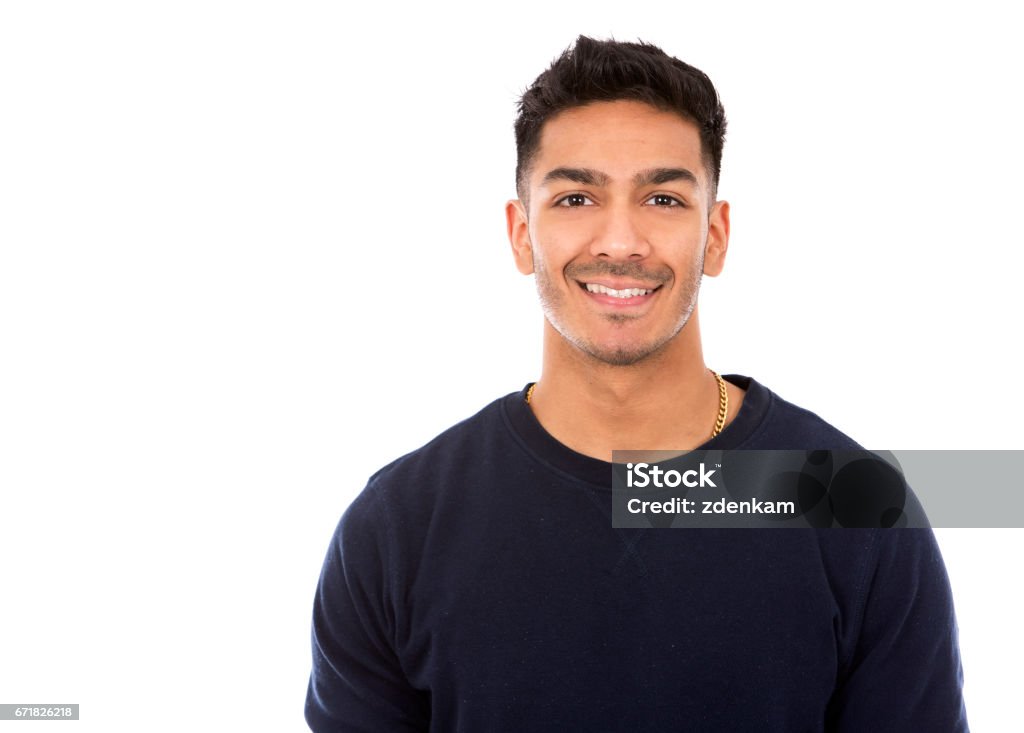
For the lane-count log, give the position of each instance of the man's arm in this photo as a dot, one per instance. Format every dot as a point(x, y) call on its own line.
point(903, 672)
point(357, 683)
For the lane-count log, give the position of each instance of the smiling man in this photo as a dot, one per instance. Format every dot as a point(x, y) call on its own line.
point(478, 583)
point(617, 219)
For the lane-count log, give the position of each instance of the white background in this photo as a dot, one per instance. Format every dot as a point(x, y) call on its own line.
point(253, 251)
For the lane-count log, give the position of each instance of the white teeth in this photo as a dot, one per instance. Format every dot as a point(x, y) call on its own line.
point(626, 293)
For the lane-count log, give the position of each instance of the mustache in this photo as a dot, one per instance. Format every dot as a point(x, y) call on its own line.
point(632, 270)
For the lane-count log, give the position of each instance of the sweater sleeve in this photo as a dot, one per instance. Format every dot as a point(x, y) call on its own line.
point(357, 683)
point(904, 671)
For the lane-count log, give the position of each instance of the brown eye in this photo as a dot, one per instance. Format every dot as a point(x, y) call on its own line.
point(574, 200)
point(661, 199)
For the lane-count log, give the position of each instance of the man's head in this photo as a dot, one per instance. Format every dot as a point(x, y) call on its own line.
point(617, 216)
point(605, 71)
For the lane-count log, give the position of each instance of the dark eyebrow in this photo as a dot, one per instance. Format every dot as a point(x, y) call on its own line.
point(657, 176)
point(586, 176)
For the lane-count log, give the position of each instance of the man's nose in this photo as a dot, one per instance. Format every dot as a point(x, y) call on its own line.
point(620, 237)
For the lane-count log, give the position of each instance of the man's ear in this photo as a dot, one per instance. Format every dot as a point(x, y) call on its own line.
point(718, 239)
point(519, 236)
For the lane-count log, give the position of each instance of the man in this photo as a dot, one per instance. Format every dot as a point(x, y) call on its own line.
point(477, 584)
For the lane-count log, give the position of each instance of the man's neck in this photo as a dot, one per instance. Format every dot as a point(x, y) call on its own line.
point(668, 401)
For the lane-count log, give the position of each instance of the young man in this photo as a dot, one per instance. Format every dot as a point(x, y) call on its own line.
point(478, 584)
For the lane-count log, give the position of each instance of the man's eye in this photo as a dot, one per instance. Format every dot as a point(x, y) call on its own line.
point(575, 199)
point(660, 199)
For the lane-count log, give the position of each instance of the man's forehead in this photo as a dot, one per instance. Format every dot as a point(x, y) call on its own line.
point(619, 140)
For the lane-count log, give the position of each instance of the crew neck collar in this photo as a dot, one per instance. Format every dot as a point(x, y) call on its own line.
point(595, 471)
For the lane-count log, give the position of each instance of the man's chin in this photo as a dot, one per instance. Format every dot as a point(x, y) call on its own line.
point(615, 347)
point(621, 354)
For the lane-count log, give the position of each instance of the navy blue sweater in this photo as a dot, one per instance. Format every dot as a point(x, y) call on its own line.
point(477, 584)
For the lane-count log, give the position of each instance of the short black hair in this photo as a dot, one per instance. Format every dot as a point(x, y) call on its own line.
point(607, 71)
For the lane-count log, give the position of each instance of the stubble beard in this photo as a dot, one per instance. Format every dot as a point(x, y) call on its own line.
point(552, 301)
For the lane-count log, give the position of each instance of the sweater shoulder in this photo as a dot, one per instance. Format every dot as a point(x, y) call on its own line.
point(416, 478)
point(787, 426)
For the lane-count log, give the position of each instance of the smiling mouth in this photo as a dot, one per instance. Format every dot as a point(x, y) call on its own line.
point(621, 294)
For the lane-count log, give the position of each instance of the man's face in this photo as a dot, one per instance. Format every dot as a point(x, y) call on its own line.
point(619, 229)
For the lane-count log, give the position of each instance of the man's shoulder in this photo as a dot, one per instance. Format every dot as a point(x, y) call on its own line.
point(469, 440)
point(405, 496)
point(787, 426)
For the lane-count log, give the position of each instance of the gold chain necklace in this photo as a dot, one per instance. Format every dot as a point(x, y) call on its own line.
point(723, 402)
